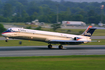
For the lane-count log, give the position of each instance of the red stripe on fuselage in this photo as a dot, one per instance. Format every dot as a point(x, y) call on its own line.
point(7, 32)
point(78, 39)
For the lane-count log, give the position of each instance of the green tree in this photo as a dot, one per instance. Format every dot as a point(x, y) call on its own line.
point(20, 19)
point(38, 28)
point(2, 18)
point(56, 26)
point(28, 27)
point(63, 16)
point(68, 11)
point(2, 29)
point(92, 19)
point(91, 13)
point(7, 10)
point(19, 9)
point(24, 14)
point(41, 10)
point(32, 8)
point(24, 2)
point(78, 17)
point(35, 14)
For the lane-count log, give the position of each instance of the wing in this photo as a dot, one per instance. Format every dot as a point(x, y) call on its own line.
point(69, 42)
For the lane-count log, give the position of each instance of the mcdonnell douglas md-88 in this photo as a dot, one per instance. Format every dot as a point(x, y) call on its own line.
point(49, 37)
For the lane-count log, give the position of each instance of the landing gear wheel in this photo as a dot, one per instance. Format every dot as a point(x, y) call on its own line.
point(60, 47)
point(49, 46)
point(6, 40)
point(20, 42)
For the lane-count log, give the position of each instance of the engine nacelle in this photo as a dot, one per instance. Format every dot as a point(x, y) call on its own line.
point(77, 38)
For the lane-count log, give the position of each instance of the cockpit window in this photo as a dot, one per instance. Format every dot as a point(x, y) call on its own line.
point(9, 30)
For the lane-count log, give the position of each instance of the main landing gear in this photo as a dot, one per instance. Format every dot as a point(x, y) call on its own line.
point(60, 46)
point(49, 46)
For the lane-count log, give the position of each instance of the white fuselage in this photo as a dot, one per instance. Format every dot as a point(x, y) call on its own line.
point(20, 33)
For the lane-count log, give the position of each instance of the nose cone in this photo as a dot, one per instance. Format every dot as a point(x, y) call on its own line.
point(4, 34)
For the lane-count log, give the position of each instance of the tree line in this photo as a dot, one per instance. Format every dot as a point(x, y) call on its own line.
point(46, 11)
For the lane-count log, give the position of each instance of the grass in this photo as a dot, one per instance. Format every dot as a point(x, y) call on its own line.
point(99, 32)
point(24, 43)
point(102, 42)
point(82, 62)
point(37, 43)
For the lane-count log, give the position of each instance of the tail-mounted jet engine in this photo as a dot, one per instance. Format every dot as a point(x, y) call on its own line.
point(76, 38)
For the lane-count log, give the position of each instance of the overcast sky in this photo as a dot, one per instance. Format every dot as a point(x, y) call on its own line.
point(83, 0)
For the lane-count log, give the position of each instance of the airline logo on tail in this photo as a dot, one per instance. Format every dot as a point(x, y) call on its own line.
point(89, 31)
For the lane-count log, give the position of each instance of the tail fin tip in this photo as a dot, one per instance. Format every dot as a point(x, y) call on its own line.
point(89, 31)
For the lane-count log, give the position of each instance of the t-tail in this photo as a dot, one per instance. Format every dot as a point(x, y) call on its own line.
point(89, 31)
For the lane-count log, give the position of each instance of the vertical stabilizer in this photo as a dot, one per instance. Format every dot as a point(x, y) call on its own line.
point(89, 31)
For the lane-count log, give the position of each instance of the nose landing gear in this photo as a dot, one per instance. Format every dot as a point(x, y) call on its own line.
point(20, 42)
point(6, 39)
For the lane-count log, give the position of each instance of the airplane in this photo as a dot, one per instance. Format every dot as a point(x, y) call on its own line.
point(49, 37)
